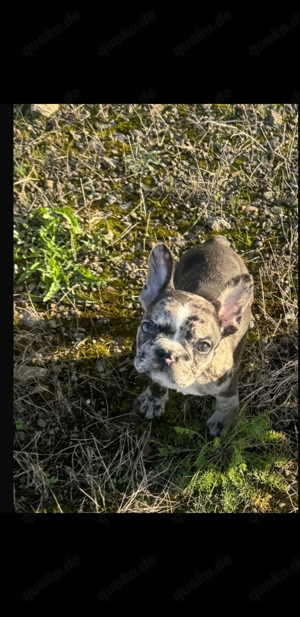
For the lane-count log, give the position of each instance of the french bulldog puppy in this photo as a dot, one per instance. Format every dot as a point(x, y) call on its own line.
point(195, 325)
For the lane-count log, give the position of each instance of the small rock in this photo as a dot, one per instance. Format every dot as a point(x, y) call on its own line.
point(29, 373)
point(39, 109)
point(274, 117)
point(216, 223)
point(108, 163)
point(49, 184)
point(111, 199)
point(100, 366)
point(251, 209)
point(53, 323)
point(28, 320)
point(126, 206)
point(268, 195)
point(178, 241)
point(40, 422)
point(102, 320)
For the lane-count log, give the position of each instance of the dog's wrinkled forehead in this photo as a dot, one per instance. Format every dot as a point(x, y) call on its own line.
point(183, 311)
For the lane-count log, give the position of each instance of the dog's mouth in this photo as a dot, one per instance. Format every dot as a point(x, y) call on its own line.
point(169, 380)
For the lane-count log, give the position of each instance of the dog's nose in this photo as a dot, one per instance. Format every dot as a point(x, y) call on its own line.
point(165, 355)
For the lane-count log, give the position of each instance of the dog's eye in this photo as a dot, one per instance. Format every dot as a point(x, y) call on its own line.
point(203, 346)
point(148, 327)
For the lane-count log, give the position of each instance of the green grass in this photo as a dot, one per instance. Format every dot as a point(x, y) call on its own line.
point(56, 242)
point(238, 471)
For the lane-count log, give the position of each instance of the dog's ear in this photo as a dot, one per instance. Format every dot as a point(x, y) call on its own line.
point(160, 271)
point(232, 302)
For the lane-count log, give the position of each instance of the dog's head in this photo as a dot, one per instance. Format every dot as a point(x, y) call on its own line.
point(180, 331)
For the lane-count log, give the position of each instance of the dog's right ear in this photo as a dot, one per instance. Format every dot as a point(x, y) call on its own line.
point(160, 271)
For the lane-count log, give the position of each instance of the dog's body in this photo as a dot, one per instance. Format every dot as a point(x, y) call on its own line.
point(194, 328)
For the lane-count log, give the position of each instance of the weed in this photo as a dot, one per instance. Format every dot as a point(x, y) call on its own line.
point(54, 251)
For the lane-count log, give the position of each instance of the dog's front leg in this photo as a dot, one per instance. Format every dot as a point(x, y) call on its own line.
point(151, 403)
point(227, 404)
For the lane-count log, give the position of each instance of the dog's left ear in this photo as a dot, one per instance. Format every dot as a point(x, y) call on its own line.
point(160, 270)
point(232, 302)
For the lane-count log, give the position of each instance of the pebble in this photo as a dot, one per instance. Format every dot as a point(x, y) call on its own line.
point(49, 184)
point(111, 199)
point(108, 163)
point(103, 321)
point(28, 320)
point(38, 110)
point(125, 206)
point(251, 209)
point(216, 223)
point(178, 241)
point(100, 366)
point(40, 422)
point(268, 195)
point(274, 117)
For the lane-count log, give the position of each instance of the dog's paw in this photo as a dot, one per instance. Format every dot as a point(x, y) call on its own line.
point(216, 424)
point(149, 405)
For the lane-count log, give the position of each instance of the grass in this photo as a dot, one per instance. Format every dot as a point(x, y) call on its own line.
point(95, 187)
point(56, 240)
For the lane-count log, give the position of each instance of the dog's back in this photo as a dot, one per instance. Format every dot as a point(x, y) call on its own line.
point(205, 269)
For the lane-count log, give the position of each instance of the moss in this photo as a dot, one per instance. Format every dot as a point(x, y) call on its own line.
point(148, 180)
point(125, 126)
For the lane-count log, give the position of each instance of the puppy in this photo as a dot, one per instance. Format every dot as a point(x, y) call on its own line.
point(195, 325)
